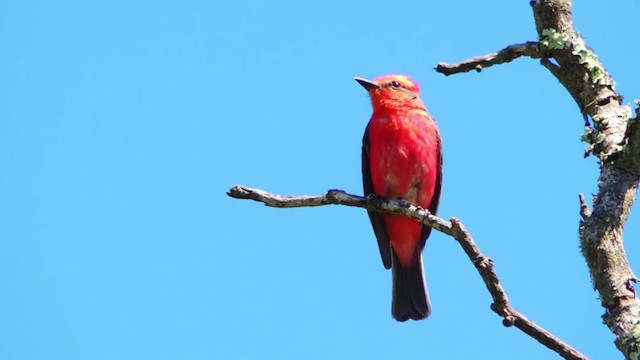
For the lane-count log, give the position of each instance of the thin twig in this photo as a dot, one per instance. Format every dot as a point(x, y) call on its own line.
point(453, 228)
point(584, 207)
point(508, 54)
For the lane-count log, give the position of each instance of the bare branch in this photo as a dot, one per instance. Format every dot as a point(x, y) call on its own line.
point(274, 200)
point(553, 68)
point(584, 208)
point(453, 228)
point(614, 141)
point(508, 54)
point(613, 138)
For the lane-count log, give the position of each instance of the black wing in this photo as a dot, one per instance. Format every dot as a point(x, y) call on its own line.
point(435, 201)
point(376, 218)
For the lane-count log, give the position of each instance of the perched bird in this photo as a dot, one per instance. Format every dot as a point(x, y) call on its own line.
point(402, 159)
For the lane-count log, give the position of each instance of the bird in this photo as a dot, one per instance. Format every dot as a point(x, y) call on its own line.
point(402, 159)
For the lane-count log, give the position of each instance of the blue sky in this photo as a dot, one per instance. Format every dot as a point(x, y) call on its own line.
point(122, 125)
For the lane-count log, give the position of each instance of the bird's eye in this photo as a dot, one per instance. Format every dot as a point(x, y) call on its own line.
point(395, 84)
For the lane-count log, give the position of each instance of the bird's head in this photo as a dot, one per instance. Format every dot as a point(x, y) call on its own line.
point(393, 92)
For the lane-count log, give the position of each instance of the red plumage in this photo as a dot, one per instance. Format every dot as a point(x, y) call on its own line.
point(402, 159)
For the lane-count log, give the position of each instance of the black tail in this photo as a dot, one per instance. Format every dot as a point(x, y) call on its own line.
point(410, 297)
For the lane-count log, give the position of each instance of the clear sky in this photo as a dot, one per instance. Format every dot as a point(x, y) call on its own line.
point(123, 123)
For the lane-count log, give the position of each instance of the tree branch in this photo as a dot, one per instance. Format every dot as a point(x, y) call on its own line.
point(584, 207)
point(453, 228)
point(508, 54)
point(615, 141)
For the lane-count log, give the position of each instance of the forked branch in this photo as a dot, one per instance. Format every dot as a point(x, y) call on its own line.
point(453, 228)
point(612, 137)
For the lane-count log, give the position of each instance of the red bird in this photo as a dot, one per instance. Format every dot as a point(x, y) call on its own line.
point(402, 159)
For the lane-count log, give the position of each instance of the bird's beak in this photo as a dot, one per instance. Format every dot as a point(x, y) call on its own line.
point(367, 84)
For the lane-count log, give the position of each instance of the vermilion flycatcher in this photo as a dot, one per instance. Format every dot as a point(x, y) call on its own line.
point(402, 159)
